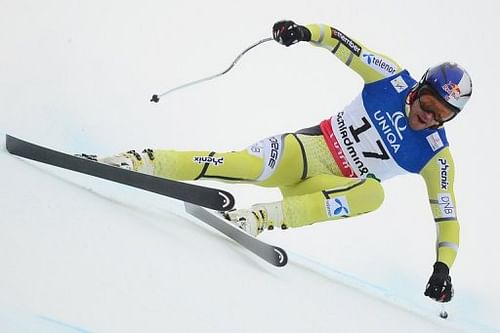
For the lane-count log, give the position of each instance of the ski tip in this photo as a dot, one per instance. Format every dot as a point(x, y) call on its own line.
point(228, 201)
point(281, 258)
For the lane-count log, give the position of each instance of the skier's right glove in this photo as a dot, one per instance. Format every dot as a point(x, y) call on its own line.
point(439, 287)
point(288, 33)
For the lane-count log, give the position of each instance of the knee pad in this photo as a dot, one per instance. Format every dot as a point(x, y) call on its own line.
point(282, 159)
point(270, 151)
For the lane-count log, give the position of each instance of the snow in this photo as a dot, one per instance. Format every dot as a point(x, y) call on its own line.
point(80, 254)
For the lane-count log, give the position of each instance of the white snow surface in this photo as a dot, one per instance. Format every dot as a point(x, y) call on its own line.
point(79, 254)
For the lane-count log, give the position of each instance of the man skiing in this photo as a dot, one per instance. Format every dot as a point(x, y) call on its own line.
point(334, 170)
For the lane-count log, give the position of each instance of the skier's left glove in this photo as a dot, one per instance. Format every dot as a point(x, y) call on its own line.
point(289, 33)
point(439, 287)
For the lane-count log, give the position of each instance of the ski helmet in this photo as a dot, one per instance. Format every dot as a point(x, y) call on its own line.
point(450, 82)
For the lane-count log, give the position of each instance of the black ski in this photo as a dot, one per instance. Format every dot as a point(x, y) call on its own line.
point(200, 195)
point(270, 253)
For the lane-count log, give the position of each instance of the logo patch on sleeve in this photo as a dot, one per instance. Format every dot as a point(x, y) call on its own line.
point(346, 41)
point(435, 141)
point(399, 84)
point(446, 205)
point(380, 64)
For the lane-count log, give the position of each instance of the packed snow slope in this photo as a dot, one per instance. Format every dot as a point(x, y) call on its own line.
point(104, 258)
point(79, 254)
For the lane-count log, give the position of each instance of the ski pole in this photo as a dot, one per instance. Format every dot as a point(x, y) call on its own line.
point(156, 97)
point(443, 313)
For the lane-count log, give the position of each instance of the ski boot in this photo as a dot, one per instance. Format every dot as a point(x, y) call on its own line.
point(257, 218)
point(130, 160)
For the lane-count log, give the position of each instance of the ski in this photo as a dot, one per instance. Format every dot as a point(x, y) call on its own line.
point(270, 253)
point(200, 195)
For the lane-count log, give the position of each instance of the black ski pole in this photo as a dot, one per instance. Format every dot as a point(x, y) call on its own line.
point(156, 97)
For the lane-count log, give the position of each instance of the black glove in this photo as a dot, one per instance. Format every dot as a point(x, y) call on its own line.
point(288, 33)
point(439, 287)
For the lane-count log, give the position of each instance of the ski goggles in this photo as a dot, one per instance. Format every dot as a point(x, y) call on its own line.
point(430, 102)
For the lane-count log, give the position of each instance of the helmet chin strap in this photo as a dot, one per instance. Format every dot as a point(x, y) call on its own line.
point(412, 96)
point(440, 124)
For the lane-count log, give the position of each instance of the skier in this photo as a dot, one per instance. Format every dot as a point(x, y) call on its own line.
point(334, 170)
